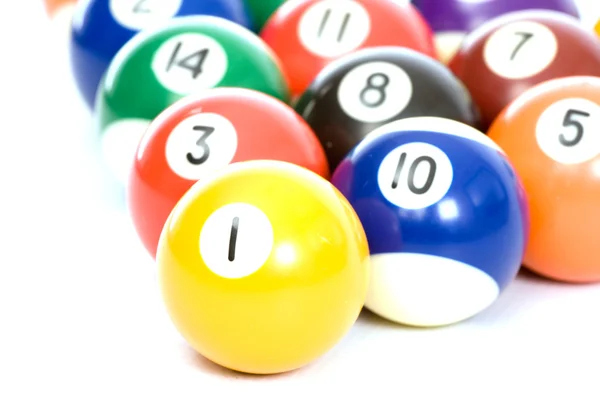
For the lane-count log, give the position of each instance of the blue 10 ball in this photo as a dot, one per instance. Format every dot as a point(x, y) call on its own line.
point(446, 219)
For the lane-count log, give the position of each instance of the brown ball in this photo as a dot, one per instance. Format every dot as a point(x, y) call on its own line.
point(508, 55)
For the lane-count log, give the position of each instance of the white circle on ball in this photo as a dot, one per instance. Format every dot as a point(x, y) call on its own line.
point(119, 145)
point(415, 175)
point(331, 28)
point(568, 131)
point(426, 290)
point(190, 62)
point(375, 91)
point(236, 240)
point(520, 50)
point(200, 145)
point(141, 14)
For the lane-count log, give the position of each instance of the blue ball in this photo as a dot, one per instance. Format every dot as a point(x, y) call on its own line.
point(446, 219)
point(101, 27)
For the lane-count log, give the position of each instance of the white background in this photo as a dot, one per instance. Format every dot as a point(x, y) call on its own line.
point(81, 316)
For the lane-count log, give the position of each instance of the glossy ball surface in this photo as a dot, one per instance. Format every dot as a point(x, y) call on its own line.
point(263, 268)
point(100, 28)
point(371, 87)
point(307, 35)
point(445, 215)
point(508, 55)
point(552, 136)
point(159, 67)
point(201, 134)
point(261, 10)
point(451, 20)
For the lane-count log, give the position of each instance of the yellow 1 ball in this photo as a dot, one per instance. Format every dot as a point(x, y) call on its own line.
point(264, 267)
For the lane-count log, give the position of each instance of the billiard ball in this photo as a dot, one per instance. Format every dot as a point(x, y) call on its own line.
point(451, 20)
point(53, 7)
point(445, 215)
point(308, 35)
point(371, 87)
point(160, 66)
point(101, 27)
point(264, 267)
point(509, 54)
point(261, 10)
point(551, 135)
point(203, 133)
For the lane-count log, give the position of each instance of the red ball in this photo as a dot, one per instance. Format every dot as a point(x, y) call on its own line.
point(201, 134)
point(307, 35)
point(510, 54)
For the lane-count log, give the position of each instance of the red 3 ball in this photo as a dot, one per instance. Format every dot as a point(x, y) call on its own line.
point(507, 55)
point(201, 134)
point(308, 34)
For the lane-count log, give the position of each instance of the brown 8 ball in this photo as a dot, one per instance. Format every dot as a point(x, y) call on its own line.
point(508, 55)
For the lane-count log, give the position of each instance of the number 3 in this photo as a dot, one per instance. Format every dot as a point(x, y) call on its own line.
point(208, 130)
point(569, 121)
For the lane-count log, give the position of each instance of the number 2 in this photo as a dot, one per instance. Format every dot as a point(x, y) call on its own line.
point(411, 173)
point(569, 121)
point(208, 130)
point(525, 36)
point(139, 7)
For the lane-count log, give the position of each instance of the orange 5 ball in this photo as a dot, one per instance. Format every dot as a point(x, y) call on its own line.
point(551, 133)
point(201, 134)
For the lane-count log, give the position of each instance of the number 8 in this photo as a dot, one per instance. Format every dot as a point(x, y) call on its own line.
point(380, 89)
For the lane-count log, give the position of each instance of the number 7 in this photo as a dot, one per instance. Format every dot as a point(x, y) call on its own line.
point(525, 36)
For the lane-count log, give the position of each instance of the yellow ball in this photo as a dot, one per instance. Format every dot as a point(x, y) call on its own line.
point(264, 267)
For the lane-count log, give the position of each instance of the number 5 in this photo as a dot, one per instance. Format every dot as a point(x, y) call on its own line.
point(570, 120)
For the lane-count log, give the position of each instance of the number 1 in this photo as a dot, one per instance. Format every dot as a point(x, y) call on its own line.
point(525, 36)
point(233, 238)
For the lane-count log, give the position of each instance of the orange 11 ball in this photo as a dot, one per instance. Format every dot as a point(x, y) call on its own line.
point(309, 34)
point(551, 134)
point(201, 134)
